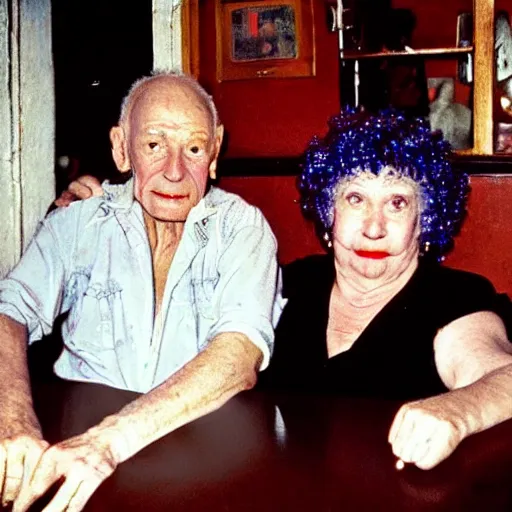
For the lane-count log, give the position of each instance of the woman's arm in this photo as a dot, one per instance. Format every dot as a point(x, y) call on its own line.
point(474, 360)
point(471, 347)
point(82, 188)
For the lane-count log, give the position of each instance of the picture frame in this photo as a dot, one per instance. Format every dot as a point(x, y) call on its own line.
point(264, 39)
point(504, 138)
point(190, 37)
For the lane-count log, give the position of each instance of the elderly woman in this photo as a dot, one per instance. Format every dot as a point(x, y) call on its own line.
point(378, 316)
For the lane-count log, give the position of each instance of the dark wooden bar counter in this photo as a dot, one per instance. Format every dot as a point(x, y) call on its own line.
point(282, 453)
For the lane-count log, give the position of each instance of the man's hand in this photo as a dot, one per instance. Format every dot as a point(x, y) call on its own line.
point(19, 456)
point(82, 188)
point(81, 463)
point(427, 431)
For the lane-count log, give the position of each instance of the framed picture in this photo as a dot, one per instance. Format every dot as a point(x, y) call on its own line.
point(264, 38)
point(504, 138)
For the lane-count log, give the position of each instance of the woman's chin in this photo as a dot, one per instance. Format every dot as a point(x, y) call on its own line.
point(370, 269)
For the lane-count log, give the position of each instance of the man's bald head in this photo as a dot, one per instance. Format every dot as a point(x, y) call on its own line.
point(169, 80)
point(169, 137)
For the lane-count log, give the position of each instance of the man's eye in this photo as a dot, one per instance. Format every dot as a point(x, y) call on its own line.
point(195, 149)
point(354, 199)
point(154, 146)
point(399, 203)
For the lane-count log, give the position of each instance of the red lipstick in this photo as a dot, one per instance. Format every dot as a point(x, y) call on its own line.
point(373, 255)
point(169, 196)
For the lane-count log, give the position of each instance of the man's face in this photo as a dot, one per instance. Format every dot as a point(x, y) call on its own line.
point(172, 146)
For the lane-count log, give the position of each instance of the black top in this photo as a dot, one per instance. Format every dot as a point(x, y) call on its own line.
point(394, 356)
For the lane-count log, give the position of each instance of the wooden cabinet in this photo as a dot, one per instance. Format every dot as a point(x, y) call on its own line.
point(483, 40)
point(482, 52)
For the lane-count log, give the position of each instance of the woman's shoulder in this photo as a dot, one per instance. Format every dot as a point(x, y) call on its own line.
point(454, 281)
point(458, 292)
point(313, 271)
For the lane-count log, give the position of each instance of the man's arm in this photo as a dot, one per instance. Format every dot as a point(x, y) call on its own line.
point(474, 359)
point(21, 441)
point(240, 338)
point(227, 366)
point(30, 299)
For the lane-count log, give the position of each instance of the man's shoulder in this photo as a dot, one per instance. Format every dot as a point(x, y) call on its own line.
point(115, 197)
point(73, 212)
point(232, 209)
point(218, 197)
point(78, 210)
point(79, 216)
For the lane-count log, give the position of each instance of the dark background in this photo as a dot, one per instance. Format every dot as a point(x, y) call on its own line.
point(100, 47)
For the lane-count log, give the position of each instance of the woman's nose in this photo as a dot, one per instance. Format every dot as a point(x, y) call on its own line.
point(375, 225)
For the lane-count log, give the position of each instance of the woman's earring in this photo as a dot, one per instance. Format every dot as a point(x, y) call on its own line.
point(327, 239)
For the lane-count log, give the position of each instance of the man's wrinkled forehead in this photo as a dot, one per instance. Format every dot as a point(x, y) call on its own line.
point(166, 101)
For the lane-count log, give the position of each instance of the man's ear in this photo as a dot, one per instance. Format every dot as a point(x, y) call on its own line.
point(219, 134)
point(119, 149)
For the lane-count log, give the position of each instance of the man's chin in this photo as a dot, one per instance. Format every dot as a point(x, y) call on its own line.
point(171, 217)
point(168, 214)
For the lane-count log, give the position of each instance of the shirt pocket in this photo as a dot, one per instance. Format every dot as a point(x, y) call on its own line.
point(98, 318)
point(202, 296)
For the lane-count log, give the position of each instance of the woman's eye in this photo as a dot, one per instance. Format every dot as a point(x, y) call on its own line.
point(354, 199)
point(154, 146)
point(398, 203)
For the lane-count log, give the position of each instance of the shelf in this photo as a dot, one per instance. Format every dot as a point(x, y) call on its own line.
point(431, 52)
point(496, 164)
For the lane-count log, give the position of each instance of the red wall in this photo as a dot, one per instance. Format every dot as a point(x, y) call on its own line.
point(277, 117)
point(484, 245)
point(272, 116)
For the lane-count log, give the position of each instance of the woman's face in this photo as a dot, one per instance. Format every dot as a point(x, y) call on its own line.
point(376, 226)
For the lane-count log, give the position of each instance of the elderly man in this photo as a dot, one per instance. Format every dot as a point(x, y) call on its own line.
point(190, 338)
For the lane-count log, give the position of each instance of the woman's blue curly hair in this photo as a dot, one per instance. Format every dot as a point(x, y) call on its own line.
point(359, 141)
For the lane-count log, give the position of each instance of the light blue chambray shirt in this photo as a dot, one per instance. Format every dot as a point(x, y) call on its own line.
point(93, 260)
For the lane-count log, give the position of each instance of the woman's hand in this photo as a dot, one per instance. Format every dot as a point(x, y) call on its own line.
point(474, 359)
point(82, 188)
point(427, 431)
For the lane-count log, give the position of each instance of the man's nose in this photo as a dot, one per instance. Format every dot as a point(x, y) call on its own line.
point(175, 169)
point(375, 225)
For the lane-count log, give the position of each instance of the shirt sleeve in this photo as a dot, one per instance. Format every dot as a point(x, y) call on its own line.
point(248, 292)
point(461, 293)
point(32, 293)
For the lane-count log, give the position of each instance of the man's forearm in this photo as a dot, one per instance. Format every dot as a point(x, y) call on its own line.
point(227, 366)
point(15, 393)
